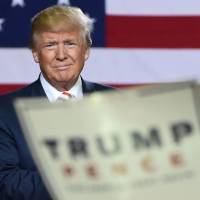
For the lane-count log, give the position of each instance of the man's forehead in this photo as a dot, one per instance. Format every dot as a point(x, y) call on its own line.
point(57, 35)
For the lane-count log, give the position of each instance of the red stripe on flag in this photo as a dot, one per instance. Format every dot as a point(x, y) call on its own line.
point(153, 31)
point(5, 88)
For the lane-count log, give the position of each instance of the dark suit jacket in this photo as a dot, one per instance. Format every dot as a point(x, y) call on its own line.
point(19, 178)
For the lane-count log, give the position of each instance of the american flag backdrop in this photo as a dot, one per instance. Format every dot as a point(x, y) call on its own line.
point(134, 41)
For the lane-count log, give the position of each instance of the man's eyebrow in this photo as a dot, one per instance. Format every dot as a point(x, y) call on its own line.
point(69, 39)
point(50, 41)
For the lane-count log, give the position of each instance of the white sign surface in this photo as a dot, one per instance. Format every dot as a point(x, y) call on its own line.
point(132, 144)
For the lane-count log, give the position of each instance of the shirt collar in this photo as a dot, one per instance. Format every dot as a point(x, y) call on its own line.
point(52, 93)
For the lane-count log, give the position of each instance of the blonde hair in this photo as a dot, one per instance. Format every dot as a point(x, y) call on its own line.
point(61, 18)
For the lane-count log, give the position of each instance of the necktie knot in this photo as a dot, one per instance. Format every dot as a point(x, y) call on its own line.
point(65, 95)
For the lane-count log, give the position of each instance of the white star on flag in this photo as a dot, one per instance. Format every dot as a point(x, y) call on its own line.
point(64, 2)
point(1, 22)
point(18, 3)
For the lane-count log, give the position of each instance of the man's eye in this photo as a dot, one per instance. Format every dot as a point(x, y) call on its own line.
point(50, 45)
point(70, 44)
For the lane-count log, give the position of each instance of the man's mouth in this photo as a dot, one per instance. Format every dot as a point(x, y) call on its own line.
point(63, 67)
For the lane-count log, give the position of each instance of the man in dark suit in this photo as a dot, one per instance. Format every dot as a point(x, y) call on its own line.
point(60, 43)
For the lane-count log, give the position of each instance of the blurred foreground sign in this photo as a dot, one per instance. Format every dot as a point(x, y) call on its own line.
point(132, 144)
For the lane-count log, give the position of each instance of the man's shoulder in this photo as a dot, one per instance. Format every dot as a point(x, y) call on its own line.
point(27, 91)
point(17, 93)
point(89, 87)
point(9, 97)
point(7, 100)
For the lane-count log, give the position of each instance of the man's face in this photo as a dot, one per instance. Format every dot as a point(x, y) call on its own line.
point(61, 56)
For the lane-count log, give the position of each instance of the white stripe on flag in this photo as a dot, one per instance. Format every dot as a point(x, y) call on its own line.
point(117, 66)
point(17, 66)
point(142, 65)
point(152, 7)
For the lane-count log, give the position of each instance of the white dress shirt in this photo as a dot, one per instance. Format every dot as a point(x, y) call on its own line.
point(53, 94)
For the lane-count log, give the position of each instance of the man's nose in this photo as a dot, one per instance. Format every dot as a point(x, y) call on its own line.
point(61, 52)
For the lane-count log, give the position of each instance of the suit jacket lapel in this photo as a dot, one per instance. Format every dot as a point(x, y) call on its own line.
point(88, 87)
point(37, 89)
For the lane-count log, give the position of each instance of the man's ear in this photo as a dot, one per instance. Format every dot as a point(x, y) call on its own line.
point(87, 53)
point(35, 56)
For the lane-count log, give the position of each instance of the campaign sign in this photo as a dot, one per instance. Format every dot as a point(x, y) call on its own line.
point(123, 145)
